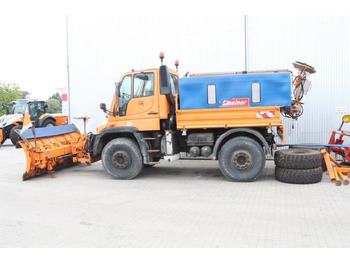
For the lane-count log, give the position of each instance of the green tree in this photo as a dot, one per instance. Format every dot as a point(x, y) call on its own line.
point(24, 94)
point(54, 106)
point(58, 97)
point(10, 92)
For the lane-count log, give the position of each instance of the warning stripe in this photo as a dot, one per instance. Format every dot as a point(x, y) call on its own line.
point(265, 114)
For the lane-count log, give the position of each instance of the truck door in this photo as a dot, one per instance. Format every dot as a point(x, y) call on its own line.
point(125, 95)
point(138, 105)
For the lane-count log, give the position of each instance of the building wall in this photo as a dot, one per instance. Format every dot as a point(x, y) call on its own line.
point(101, 49)
point(323, 42)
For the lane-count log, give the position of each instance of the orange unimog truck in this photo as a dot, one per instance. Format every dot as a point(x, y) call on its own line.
point(9, 123)
point(154, 115)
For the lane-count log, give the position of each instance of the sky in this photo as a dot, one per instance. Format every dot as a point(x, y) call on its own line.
point(33, 36)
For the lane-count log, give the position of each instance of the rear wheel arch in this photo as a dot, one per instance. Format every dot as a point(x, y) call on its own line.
point(46, 118)
point(240, 132)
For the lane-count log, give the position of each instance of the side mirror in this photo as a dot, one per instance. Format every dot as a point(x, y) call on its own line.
point(103, 107)
point(165, 87)
point(117, 88)
point(46, 106)
point(2, 105)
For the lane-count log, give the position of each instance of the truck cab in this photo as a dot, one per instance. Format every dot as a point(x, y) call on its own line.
point(138, 101)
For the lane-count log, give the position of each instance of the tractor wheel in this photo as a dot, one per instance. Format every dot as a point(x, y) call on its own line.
point(122, 159)
point(241, 159)
point(298, 158)
point(299, 176)
point(13, 135)
point(48, 123)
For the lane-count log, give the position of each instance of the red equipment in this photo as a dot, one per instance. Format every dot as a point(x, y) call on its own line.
point(337, 137)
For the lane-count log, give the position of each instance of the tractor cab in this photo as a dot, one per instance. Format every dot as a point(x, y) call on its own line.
point(35, 108)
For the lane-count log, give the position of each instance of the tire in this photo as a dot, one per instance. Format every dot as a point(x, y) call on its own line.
point(298, 176)
point(318, 148)
point(13, 135)
point(241, 159)
point(48, 123)
point(298, 158)
point(122, 159)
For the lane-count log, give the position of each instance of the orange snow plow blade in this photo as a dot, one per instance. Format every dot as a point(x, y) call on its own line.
point(1, 136)
point(51, 148)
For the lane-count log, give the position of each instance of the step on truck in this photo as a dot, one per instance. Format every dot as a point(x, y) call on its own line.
point(229, 117)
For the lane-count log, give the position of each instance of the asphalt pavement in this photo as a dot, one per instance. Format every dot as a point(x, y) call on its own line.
point(184, 203)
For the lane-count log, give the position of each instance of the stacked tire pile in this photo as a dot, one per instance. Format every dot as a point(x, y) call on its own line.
point(298, 166)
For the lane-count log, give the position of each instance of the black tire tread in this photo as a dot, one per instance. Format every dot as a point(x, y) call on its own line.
point(318, 148)
point(298, 176)
point(298, 158)
point(13, 135)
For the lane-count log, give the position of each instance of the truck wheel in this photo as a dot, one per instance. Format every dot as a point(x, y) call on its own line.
point(122, 159)
point(298, 158)
point(241, 159)
point(318, 148)
point(48, 123)
point(13, 135)
point(299, 176)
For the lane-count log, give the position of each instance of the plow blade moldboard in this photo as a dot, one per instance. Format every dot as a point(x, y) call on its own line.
point(1, 136)
point(51, 148)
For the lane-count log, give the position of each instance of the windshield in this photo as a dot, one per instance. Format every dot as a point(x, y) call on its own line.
point(19, 108)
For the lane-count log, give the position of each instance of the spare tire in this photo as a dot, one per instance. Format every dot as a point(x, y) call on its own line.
point(318, 148)
point(298, 176)
point(298, 158)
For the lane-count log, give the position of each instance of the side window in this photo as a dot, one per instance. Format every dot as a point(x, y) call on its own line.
point(143, 85)
point(41, 108)
point(211, 94)
point(174, 82)
point(124, 95)
point(256, 92)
